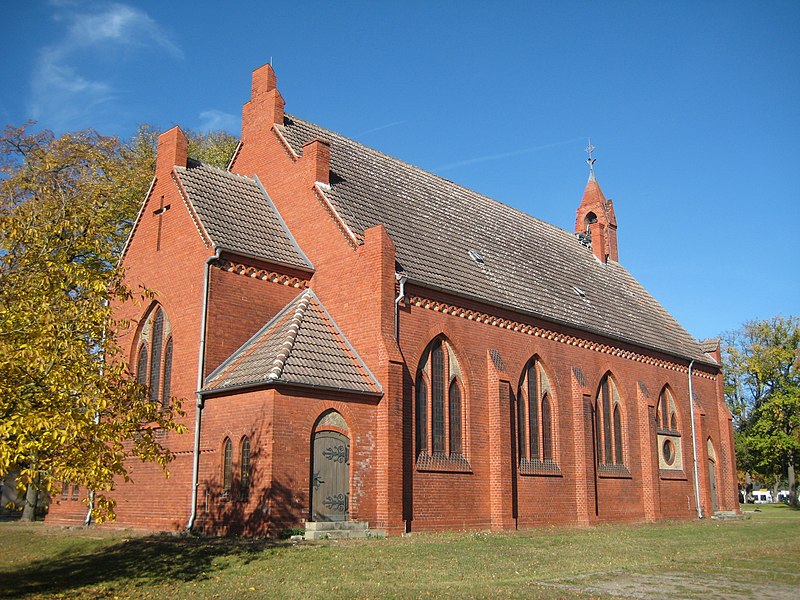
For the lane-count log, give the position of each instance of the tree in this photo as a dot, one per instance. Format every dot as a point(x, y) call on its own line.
point(70, 410)
point(762, 388)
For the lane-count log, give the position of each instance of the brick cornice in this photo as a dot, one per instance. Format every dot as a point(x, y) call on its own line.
point(548, 334)
point(262, 274)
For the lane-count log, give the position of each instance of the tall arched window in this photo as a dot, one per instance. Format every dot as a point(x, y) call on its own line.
point(422, 414)
point(609, 430)
point(244, 470)
point(670, 452)
point(227, 467)
point(535, 435)
point(440, 444)
point(141, 365)
point(154, 356)
point(165, 391)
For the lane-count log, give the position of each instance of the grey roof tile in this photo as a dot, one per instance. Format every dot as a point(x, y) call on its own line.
point(301, 345)
point(238, 215)
point(529, 266)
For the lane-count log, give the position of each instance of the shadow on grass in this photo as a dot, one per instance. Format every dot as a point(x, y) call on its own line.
point(153, 559)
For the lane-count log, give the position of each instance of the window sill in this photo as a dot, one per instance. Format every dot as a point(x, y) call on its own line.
point(442, 463)
point(675, 474)
point(614, 472)
point(546, 468)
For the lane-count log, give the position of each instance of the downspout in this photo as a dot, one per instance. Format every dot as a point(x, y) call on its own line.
point(694, 445)
point(402, 294)
point(198, 413)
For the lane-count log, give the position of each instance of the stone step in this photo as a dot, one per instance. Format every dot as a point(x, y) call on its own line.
point(341, 530)
point(335, 525)
point(727, 514)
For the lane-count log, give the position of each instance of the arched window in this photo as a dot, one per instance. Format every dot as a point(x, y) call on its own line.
point(244, 470)
point(422, 414)
point(608, 423)
point(670, 455)
point(154, 356)
point(547, 429)
point(227, 467)
point(165, 392)
point(455, 418)
point(440, 394)
point(141, 365)
point(535, 435)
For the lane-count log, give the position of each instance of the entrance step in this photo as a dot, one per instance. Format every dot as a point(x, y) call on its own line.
point(341, 530)
point(727, 514)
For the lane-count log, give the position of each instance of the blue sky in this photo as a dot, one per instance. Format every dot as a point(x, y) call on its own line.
point(693, 107)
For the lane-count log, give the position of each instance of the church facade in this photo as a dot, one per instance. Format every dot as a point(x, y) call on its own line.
point(360, 340)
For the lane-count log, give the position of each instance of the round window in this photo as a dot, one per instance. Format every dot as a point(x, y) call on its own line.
point(668, 449)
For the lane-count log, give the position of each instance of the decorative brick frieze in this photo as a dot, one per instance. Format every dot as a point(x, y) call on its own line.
point(503, 323)
point(262, 274)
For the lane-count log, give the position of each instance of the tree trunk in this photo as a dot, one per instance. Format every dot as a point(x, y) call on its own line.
point(31, 500)
point(775, 488)
point(792, 486)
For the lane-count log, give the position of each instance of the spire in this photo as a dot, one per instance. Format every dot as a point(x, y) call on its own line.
point(595, 221)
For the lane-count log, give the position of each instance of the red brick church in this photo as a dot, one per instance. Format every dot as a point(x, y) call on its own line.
point(360, 340)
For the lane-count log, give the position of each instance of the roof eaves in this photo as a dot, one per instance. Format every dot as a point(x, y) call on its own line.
point(267, 383)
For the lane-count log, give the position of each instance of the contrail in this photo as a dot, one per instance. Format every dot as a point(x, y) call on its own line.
point(488, 157)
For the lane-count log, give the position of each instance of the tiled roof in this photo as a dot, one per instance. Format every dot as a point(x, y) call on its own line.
point(301, 345)
point(527, 265)
point(238, 215)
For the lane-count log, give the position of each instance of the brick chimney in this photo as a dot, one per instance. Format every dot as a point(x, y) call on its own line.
point(173, 150)
point(265, 107)
point(316, 160)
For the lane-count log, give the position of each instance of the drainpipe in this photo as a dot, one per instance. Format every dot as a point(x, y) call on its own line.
point(694, 445)
point(198, 413)
point(402, 279)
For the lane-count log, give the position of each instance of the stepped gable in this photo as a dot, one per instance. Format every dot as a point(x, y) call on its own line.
point(301, 345)
point(456, 240)
point(238, 215)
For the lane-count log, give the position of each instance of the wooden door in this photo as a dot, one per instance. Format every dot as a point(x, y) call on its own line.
point(330, 483)
point(712, 484)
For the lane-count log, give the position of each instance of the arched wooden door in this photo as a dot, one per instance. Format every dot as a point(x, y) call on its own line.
point(330, 477)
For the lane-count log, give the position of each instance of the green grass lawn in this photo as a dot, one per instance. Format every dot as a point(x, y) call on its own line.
point(758, 557)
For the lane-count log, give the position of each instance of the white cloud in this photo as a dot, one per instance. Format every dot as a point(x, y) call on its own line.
point(217, 120)
point(62, 92)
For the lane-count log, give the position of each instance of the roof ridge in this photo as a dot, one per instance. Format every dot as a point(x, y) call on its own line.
point(293, 327)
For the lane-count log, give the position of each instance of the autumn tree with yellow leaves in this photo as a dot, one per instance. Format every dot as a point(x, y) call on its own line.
point(70, 410)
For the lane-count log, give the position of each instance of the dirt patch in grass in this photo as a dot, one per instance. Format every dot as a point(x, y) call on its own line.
point(675, 585)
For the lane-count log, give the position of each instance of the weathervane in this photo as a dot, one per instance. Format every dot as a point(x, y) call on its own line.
point(590, 160)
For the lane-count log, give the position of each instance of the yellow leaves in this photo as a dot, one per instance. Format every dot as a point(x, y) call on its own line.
point(67, 405)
